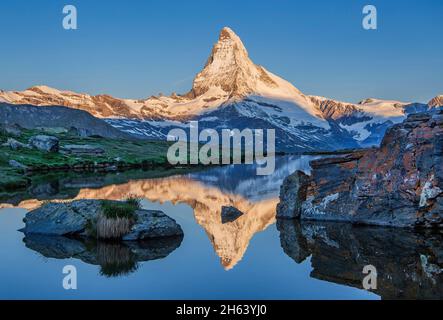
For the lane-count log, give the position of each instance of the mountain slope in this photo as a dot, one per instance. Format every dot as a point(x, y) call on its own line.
point(233, 92)
point(31, 117)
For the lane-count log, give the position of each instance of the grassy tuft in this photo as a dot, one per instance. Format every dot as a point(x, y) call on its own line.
point(115, 210)
point(116, 218)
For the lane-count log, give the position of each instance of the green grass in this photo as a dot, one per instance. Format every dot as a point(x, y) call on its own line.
point(126, 209)
point(127, 152)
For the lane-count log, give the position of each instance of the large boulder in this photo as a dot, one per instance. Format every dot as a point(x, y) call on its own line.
point(292, 194)
point(76, 218)
point(399, 184)
point(44, 143)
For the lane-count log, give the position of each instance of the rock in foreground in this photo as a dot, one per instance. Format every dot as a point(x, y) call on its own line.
point(400, 184)
point(76, 219)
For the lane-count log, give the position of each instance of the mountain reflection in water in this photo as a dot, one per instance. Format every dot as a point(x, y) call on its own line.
point(206, 192)
point(409, 264)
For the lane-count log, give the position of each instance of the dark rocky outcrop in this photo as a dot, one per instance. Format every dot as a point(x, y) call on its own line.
point(32, 117)
point(77, 218)
point(292, 193)
point(399, 184)
point(409, 264)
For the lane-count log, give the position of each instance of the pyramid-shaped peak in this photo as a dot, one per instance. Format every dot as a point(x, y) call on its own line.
point(229, 68)
point(228, 33)
point(436, 101)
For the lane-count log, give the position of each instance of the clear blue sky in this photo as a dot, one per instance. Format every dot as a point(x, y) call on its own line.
point(134, 49)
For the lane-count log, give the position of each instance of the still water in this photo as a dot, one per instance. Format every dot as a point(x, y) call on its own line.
point(253, 257)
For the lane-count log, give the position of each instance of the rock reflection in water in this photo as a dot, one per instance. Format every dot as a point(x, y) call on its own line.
point(409, 264)
point(114, 258)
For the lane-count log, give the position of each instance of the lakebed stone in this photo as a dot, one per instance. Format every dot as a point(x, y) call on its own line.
point(74, 219)
point(399, 184)
point(230, 214)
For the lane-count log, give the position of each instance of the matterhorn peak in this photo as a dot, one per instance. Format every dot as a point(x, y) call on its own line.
point(437, 101)
point(229, 68)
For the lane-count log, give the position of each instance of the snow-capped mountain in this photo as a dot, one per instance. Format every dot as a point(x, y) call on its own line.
point(233, 92)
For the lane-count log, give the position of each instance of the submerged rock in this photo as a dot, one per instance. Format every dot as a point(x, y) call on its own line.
point(399, 184)
point(230, 214)
point(44, 143)
point(77, 218)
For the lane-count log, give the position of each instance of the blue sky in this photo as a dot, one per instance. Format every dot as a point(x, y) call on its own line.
point(133, 49)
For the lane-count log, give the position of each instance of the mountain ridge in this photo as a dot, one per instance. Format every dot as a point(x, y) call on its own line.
point(233, 92)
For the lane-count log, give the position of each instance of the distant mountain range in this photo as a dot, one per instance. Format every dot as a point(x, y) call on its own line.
point(233, 92)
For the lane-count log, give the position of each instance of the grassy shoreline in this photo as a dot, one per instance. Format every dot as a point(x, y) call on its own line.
point(119, 155)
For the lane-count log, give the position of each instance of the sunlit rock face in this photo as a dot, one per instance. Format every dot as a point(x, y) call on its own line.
point(399, 184)
point(338, 253)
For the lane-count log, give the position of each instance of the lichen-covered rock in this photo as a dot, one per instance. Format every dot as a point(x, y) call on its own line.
point(76, 219)
point(44, 143)
point(399, 184)
point(292, 193)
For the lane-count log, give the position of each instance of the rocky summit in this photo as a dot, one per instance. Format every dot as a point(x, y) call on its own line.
point(399, 184)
